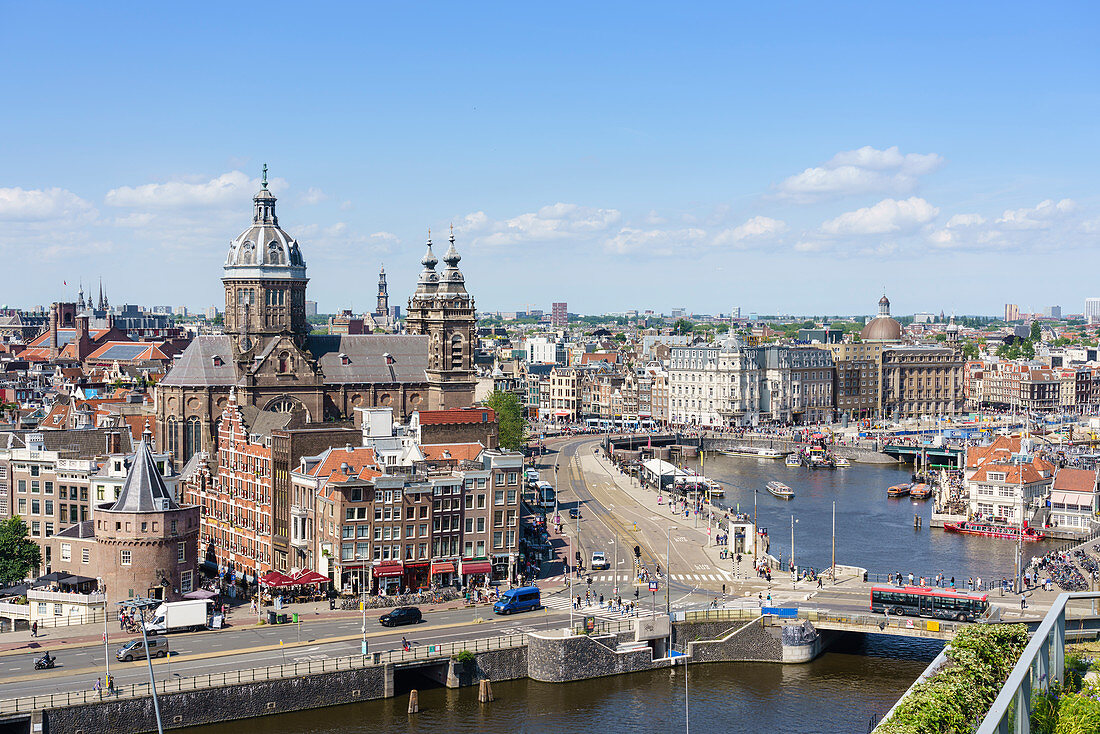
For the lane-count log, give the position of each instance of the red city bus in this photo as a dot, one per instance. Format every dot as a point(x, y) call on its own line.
point(923, 601)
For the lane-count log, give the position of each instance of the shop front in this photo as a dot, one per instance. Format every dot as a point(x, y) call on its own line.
point(388, 577)
point(476, 571)
point(416, 576)
point(443, 573)
point(354, 579)
point(501, 566)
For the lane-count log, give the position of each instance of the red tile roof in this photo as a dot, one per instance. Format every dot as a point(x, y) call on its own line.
point(362, 464)
point(452, 451)
point(458, 415)
point(1075, 480)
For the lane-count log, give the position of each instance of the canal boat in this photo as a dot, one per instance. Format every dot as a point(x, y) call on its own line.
point(994, 530)
point(752, 452)
point(780, 490)
point(898, 490)
point(920, 491)
point(840, 462)
point(794, 460)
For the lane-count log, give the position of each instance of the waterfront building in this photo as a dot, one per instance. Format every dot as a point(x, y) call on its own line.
point(1006, 483)
point(921, 380)
point(268, 353)
point(1073, 499)
point(144, 543)
point(812, 378)
point(714, 384)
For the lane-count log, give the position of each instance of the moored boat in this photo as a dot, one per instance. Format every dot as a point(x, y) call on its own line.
point(780, 490)
point(898, 490)
point(840, 462)
point(920, 491)
point(994, 530)
point(794, 460)
point(752, 452)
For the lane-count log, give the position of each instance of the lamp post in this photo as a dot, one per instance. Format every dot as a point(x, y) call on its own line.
point(668, 571)
point(363, 605)
point(106, 651)
point(794, 568)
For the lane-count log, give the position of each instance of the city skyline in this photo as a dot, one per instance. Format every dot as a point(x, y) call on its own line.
point(802, 170)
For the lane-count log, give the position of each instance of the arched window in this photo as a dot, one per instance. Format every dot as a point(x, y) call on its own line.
point(192, 437)
point(284, 362)
point(172, 436)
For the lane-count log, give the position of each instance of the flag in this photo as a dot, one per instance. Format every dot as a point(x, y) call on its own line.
point(64, 282)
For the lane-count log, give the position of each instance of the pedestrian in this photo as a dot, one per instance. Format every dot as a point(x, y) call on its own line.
point(121, 621)
point(819, 582)
point(34, 628)
point(1023, 603)
point(405, 644)
point(723, 589)
point(98, 688)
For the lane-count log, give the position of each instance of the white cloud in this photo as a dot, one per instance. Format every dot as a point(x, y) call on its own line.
point(386, 237)
point(43, 205)
point(655, 241)
point(226, 190)
point(135, 219)
point(889, 215)
point(1038, 217)
point(756, 228)
point(965, 220)
point(554, 222)
point(865, 170)
point(313, 195)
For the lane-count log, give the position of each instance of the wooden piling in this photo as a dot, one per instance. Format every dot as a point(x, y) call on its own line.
point(414, 702)
point(485, 691)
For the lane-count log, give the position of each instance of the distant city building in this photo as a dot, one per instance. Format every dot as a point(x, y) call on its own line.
point(311, 309)
point(559, 316)
point(679, 313)
point(924, 318)
point(1092, 310)
point(735, 313)
point(1012, 312)
point(1052, 312)
point(211, 313)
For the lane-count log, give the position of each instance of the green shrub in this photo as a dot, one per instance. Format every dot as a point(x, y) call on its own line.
point(1079, 713)
point(464, 657)
point(958, 696)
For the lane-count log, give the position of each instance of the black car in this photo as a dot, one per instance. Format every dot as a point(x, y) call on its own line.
point(401, 615)
point(574, 513)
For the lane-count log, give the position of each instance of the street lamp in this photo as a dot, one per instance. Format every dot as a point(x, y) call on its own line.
point(668, 571)
point(794, 568)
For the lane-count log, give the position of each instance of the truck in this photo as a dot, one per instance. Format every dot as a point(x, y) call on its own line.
point(178, 616)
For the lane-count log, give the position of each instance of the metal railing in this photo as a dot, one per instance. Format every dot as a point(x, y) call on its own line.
point(608, 626)
point(1041, 663)
point(916, 625)
point(64, 597)
point(253, 675)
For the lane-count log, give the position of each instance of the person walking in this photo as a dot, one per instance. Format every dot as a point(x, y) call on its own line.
point(405, 644)
point(34, 628)
point(98, 688)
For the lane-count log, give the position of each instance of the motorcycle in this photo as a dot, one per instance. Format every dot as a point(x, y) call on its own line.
point(44, 663)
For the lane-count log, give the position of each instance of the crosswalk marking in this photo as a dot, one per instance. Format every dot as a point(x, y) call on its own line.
point(563, 605)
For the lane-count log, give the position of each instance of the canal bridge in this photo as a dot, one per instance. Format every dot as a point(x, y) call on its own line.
point(925, 456)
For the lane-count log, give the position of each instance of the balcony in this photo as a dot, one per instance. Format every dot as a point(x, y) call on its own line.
point(62, 597)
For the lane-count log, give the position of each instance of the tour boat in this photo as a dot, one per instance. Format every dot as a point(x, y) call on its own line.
point(898, 490)
point(840, 462)
point(994, 530)
point(780, 490)
point(920, 491)
point(752, 452)
point(794, 460)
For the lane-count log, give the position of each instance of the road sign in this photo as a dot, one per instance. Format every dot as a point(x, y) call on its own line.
point(653, 585)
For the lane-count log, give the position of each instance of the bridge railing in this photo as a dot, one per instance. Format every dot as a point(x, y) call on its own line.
point(446, 651)
point(907, 625)
point(1042, 662)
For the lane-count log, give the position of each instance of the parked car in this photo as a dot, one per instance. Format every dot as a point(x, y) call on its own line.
point(137, 650)
point(574, 513)
point(599, 561)
point(401, 615)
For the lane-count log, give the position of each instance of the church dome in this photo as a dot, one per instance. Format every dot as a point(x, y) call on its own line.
point(882, 328)
point(264, 249)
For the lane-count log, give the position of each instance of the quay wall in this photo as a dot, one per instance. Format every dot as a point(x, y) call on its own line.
point(852, 453)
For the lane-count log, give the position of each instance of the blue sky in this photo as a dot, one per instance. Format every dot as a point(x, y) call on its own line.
point(791, 158)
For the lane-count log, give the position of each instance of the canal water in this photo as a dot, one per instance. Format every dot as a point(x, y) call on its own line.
point(872, 531)
point(841, 691)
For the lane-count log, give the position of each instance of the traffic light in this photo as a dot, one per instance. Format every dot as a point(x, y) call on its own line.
point(578, 555)
point(589, 580)
point(637, 552)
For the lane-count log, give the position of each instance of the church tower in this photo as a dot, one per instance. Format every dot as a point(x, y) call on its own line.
point(265, 281)
point(442, 310)
point(383, 307)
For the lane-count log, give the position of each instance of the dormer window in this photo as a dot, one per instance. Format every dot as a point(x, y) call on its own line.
point(218, 362)
point(344, 359)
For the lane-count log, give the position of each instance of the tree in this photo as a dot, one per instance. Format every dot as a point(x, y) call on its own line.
point(683, 326)
point(511, 425)
point(970, 350)
point(19, 555)
point(1036, 332)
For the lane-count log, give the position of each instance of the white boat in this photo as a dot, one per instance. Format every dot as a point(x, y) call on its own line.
point(840, 462)
point(780, 490)
point(753, 452)
point(793, 460)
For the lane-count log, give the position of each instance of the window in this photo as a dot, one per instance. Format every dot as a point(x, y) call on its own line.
point(481, 524)
point(347, 551)
point(186, 582)
point(498, 497)
point(498, 539)
point(469, 525)
point(181, 552)
point(66, 551)
point(36, 507)
point(124, 558)
point(498, 518)
point(85, 555)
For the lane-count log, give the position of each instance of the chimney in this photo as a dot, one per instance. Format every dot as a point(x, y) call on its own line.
point(114, 442)
point(53, 331)
point(110, 320)
point(83, 343)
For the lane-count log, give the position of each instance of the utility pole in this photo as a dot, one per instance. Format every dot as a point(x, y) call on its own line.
point(834, 542)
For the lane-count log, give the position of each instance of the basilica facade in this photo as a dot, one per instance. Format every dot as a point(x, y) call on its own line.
point(269, 356)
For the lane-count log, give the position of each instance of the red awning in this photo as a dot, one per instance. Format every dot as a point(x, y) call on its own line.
point(275, 580)
point(442, 567)
point(306, 576)
point(477, 567)
point(389, 570)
